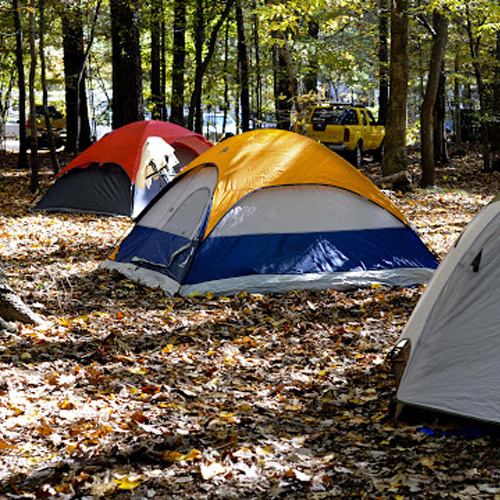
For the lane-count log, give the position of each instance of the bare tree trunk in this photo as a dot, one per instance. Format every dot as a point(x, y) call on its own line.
point(383, 55)
point(495, 125)
point(458, 118)
point(395, 153)
point(440, 23)
point(441, 156)
point(311, 76)
point(179, 63)
point(282, 92)
point(35, 181)
point(257, 71)
point(157, 92)
point(474, 44)
point(226, 74)
point(48, 123)
point(127, 71)
point(75, 61)
point(22, 159)
point(195, 111)
point(243, 66)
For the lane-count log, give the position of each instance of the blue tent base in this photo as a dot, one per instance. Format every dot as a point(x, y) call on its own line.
point(272, 283)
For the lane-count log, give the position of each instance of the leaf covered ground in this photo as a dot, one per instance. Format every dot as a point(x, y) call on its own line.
point(125, 393)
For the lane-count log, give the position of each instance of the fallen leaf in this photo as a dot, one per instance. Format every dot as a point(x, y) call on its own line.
point(211, 470)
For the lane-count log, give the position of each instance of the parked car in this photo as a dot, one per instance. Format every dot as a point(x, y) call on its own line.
point(214, 129)
point(58, 124)
point(347, 129)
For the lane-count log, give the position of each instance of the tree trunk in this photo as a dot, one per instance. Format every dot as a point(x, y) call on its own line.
point(456, 92)
point(395, 153)
point(495, 124)
point(282, 94)
point(48, 123)
point(22, 159)
point(195, 121)
point(178, 63)
point(441, 156)
point(440, 23)
point(226, 73)
point(243, 67)
point(127, 103)
point(35, 181)
point(77, 119)
point(195, 111)
point(311, 76)
point(257, 70)
point(157, 92)
point(383, 55)
point(474, 44)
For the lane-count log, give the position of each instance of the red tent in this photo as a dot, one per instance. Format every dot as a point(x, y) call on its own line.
point(124, 170)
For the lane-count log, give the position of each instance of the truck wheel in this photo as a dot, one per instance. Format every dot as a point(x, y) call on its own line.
point(357, 156)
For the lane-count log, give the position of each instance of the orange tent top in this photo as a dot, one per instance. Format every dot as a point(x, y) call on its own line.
point(270, 158)
point(123, 146)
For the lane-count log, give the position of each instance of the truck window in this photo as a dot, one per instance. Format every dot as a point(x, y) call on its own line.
point(371, 118)
point(363, 117)
point(349, 117)
point(327, 116)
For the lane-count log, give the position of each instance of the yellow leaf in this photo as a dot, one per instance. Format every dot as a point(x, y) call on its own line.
point(209, 471)
point(192, 455)
point(4, 445)
point(128, 482)
point(66, 405)
point(172, 456)
point(137, 370)
point(175, 456)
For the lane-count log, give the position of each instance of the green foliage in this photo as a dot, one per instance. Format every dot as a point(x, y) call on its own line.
point(345, 48)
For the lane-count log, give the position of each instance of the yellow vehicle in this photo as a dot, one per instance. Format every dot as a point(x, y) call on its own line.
point(347, 129)
point(57, 122)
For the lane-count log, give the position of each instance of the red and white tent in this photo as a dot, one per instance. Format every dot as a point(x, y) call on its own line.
point(122, 172)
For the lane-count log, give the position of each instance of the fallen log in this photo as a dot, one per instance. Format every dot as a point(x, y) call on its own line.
point(400, 181)
point(12, 308)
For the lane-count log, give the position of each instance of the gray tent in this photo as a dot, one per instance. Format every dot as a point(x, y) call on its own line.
point(452, 339)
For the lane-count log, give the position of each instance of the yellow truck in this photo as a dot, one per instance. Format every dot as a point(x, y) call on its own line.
point(57, 122)
point(348, 129)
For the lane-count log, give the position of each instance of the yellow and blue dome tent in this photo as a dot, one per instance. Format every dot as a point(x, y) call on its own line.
point(271, 211)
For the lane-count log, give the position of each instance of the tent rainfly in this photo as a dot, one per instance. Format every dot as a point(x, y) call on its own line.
point(271, 211)
point(452, 340)
point(123, 171)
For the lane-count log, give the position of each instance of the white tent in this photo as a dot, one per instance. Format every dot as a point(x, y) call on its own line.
point(453, 335)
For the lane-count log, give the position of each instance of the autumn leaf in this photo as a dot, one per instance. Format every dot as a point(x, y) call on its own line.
point(4, 445)
point(174, 456)
point(127, 482)
point(211, 470)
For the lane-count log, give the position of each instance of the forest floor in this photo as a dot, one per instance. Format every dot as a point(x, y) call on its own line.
point(125, 393)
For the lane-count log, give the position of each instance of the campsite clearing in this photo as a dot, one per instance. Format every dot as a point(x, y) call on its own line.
point(129, 394)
